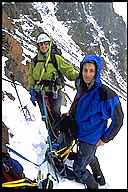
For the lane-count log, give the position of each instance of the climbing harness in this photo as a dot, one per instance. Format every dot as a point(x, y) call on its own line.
point(65, 151)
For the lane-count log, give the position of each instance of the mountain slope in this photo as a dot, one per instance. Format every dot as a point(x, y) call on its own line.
point(76, 28)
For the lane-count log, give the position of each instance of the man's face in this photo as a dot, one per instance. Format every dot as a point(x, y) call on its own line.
point(44, 46)
point(88, 72)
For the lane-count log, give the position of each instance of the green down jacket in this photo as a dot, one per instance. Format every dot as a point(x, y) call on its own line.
point(44, 70)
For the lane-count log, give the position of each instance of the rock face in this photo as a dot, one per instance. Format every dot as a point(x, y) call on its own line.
point(95, 27)
point(13, 50)
point(11, 47)
point(84, 33)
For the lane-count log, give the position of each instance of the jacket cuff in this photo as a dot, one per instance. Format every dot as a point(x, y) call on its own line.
point(105, 140)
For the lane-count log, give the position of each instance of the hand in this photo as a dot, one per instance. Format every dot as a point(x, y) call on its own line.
point(100, 143)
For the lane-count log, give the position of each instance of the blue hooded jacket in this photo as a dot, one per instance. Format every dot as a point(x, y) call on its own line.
point(95, 107)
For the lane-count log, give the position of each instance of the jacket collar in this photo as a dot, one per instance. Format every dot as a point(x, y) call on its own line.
point(42, 57)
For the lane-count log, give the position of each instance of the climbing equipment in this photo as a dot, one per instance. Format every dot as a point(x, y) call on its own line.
point(20, 183)
point(48, 138)
point(65, 151)
point(21, 156)
point(13, 80)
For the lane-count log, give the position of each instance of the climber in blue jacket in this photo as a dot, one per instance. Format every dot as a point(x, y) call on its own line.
point(93, 105)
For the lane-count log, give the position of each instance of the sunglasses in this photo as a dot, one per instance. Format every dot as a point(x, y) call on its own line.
point(44, 43)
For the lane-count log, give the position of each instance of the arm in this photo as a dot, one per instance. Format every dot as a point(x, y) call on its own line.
point(67, 68)
point(116, 124)
point(30, 79)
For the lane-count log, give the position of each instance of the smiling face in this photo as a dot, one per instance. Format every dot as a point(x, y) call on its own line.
point(44, 46)
point(88, 72)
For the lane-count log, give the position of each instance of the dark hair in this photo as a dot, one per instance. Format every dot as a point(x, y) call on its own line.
point(81, 68)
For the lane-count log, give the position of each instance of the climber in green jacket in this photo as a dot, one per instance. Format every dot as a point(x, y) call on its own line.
point(43, 72)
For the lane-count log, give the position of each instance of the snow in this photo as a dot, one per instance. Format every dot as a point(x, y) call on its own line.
point(3, 65)
point(121, 9)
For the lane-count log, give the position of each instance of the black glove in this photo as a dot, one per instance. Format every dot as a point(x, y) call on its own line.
point(33, 96)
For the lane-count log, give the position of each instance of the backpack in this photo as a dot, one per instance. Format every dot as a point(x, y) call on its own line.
point(11, 169)
point(62, 146)
point(67, 128)
point(54, 51)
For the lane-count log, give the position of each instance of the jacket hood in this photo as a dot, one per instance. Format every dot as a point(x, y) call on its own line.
point(99, 66)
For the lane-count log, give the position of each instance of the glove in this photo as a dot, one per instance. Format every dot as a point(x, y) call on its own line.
point(33, 96)
point(55, 145)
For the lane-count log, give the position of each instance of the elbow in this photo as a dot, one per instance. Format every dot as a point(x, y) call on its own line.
point(119, 116)
point(117, 123)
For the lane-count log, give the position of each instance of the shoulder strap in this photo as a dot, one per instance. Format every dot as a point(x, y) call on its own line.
point(55, 64)
point(53, 59)
point(34, 60)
